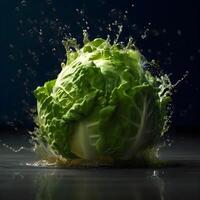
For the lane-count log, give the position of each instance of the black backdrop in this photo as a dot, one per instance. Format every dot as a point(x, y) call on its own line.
point(31, 32)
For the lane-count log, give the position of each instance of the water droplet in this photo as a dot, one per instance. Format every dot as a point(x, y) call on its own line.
point(149, 51)
point(49, 2)
point(85, 37)
point(155, 173)
point(11, 57)
point(17, 9)
point(40, 32)
point(11, 46)
point(130, 43)
point(120, 28)
point(144, 35)
point(155, 33)
point(23, 3)
point(180, 80)
point(192, 58)
point(179, 32)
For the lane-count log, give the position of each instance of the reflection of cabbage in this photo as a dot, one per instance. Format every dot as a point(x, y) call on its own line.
point(103, 104)
point(96, 185)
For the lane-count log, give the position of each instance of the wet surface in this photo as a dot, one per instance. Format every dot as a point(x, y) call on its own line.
point(19, 181)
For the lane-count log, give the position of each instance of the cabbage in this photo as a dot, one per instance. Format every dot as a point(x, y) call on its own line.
point(103, 104)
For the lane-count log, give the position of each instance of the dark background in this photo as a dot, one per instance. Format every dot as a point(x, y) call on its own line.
point(31, 50)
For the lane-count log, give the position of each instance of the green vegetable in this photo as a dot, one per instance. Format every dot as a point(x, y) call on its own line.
point(103, 104)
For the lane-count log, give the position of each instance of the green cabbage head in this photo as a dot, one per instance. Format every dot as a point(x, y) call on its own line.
point(103, 104)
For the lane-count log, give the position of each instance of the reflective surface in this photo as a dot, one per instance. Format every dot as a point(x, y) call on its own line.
point(18, 181)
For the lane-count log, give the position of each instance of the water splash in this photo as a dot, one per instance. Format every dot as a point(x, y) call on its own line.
point(185, 75)
point(120, 29)
point(15, 150)
point(39, 31)
point(130, 44)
